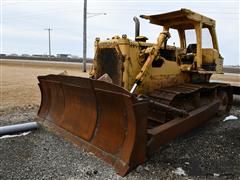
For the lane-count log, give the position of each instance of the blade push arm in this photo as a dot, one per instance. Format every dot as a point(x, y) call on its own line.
point(154, 52)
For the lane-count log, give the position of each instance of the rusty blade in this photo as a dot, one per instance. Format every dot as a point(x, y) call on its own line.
point(102, 117)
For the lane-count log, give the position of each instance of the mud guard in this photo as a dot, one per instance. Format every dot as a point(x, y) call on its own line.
point(101, 117)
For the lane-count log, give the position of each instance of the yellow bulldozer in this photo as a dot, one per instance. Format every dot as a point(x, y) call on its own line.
point(139, 95)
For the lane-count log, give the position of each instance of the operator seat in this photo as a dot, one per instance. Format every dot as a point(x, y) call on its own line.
point(189, 57)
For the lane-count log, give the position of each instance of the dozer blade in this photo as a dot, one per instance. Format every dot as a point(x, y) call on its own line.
point(101, 117)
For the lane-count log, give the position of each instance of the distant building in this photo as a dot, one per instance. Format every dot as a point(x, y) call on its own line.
point(12, 55)
point(64, 56)
point(75, 57)
point(37, 55)
point(25, 55)
point(45, 55)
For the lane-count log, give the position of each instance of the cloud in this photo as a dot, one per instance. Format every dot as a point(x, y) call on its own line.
point(15, 32)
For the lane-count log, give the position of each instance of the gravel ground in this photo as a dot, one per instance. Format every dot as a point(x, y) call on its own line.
point(211, 151)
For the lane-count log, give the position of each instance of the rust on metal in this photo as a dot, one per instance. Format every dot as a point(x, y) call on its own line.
point(108, 120)
point(170, 130)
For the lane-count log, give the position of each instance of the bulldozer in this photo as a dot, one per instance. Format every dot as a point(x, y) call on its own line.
point(139, 95)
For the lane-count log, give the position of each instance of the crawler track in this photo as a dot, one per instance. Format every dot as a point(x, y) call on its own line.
point(187, 97)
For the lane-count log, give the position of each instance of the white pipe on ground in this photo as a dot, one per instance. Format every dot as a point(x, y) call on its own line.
point(12, 129)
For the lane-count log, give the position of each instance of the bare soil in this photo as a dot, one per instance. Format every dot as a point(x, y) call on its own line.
point(19, 84)
point(231, 78)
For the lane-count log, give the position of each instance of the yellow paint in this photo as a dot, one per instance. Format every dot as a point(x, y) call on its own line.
point(138, 57)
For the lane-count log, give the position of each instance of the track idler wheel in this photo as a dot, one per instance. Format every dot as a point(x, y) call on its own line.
point(225, 97)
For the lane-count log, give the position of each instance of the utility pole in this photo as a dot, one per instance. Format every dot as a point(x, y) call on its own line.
point(84, 35)
point(49, 42)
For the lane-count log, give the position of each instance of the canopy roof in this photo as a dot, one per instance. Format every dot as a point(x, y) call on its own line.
point(181, 19)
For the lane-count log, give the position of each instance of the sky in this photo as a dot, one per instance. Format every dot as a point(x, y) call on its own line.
point(23, 23)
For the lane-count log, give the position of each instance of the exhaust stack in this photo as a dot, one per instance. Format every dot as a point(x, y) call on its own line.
point(137, 26)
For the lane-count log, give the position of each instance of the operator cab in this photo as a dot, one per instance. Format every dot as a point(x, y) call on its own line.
point(192, 56)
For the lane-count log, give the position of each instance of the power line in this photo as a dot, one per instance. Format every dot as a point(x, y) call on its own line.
point(90, 15)
point(40, 14)
point(112, 11)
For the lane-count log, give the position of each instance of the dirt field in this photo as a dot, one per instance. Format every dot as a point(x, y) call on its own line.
point(19, 84)
point(232, 78)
